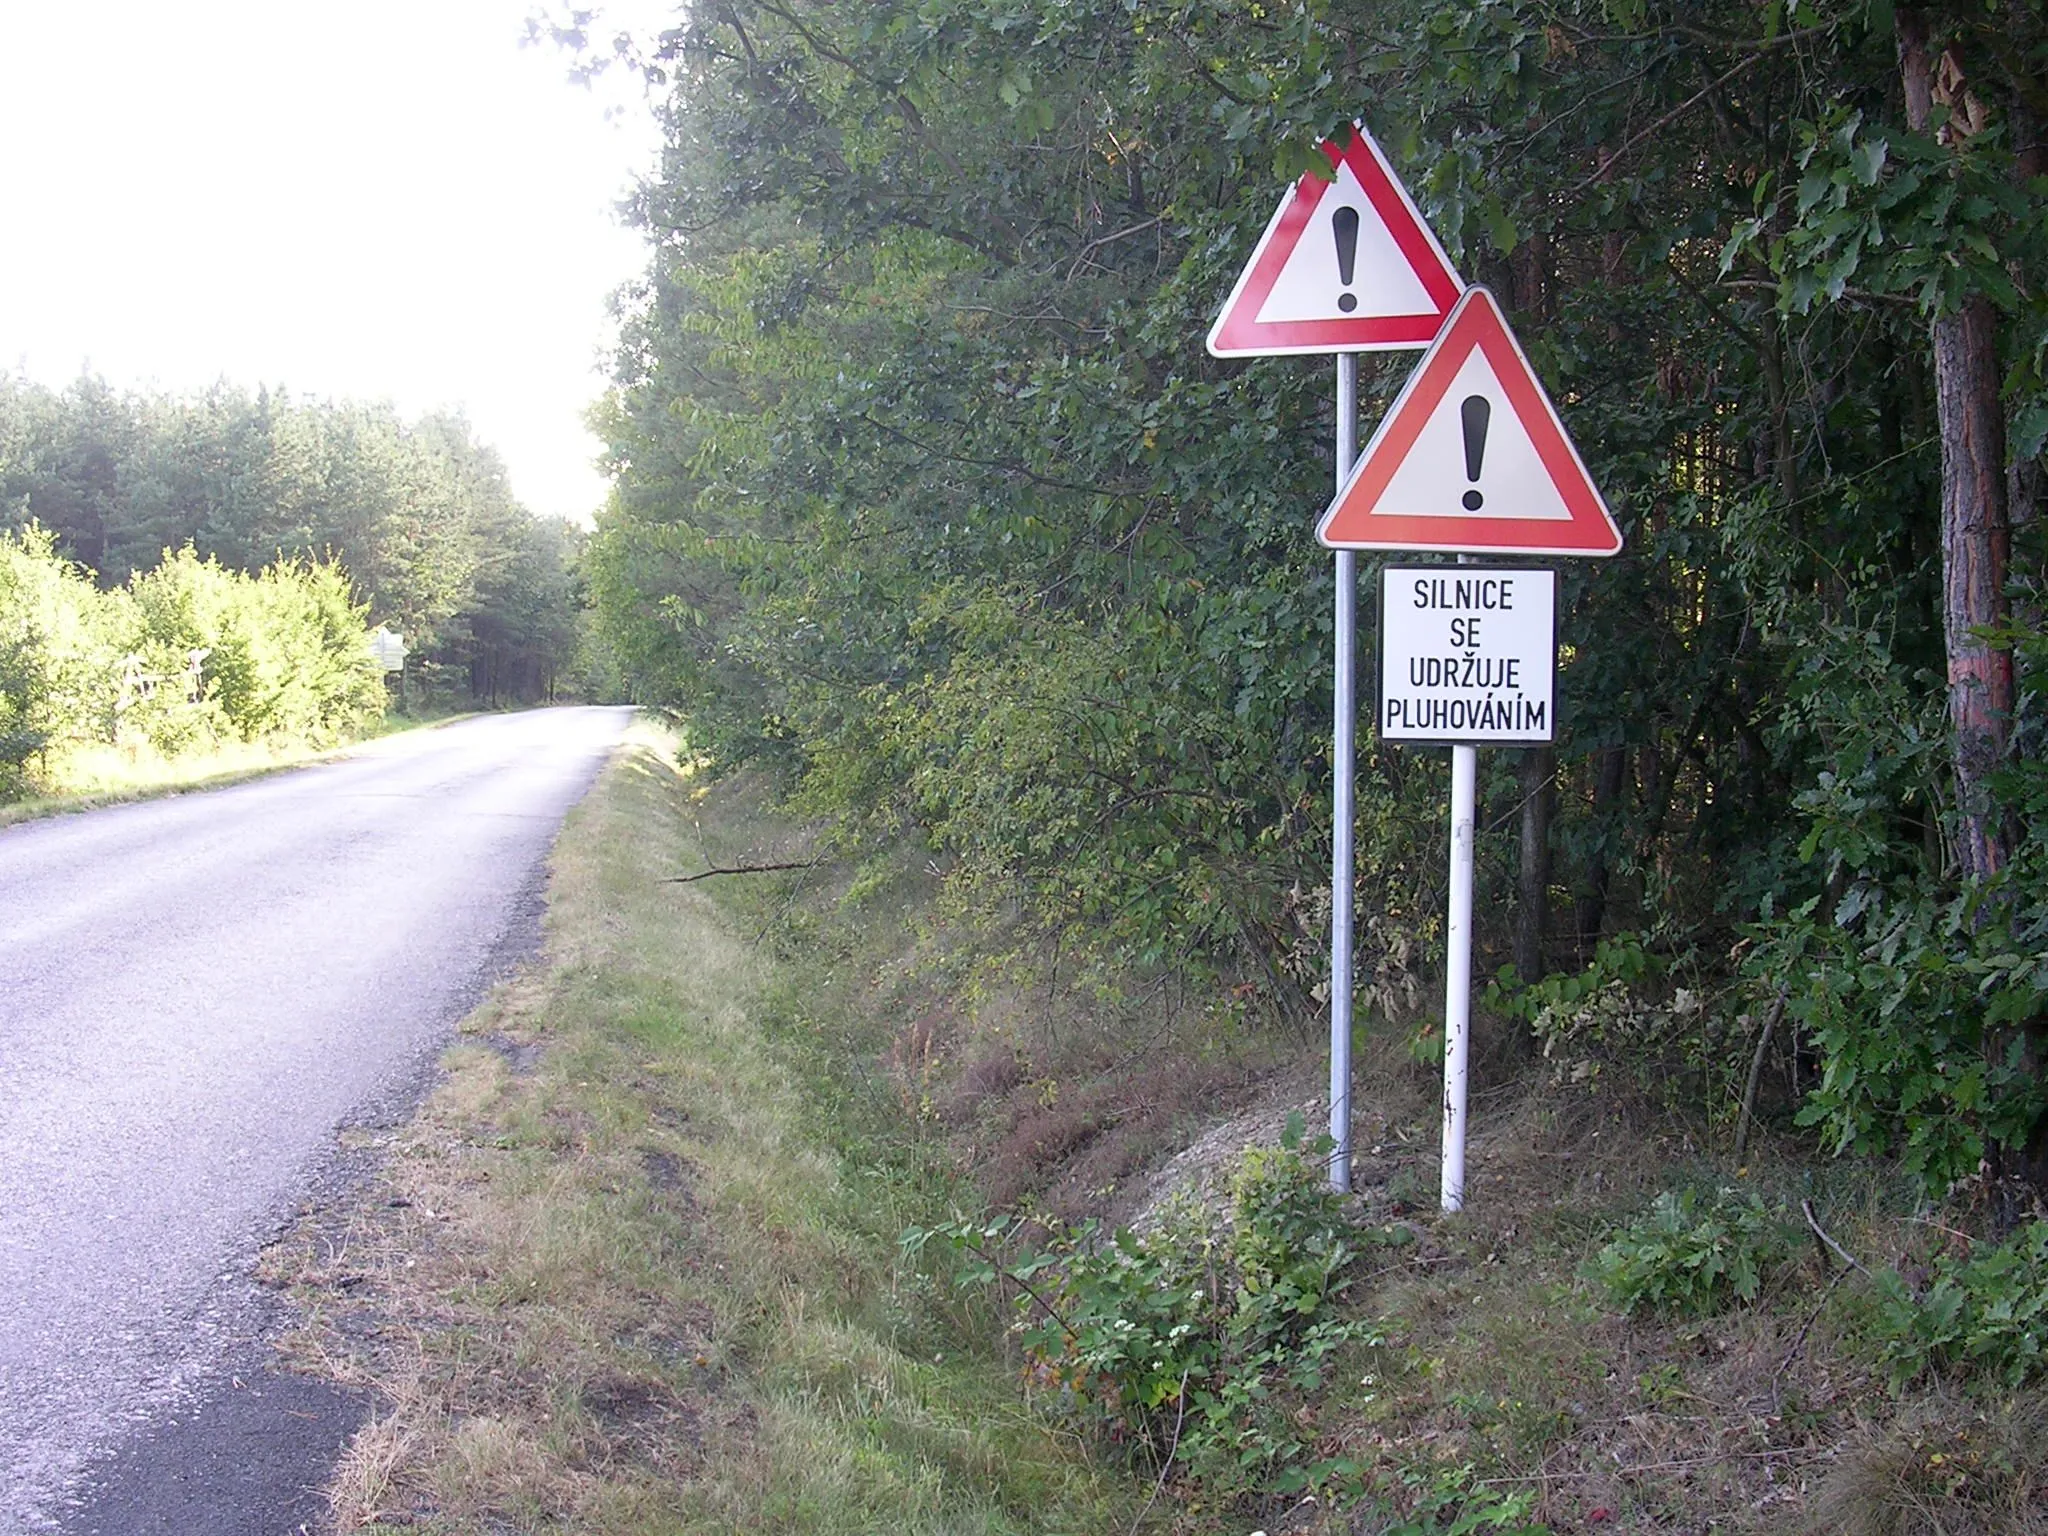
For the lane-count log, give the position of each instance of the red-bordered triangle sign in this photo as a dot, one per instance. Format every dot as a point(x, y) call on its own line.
point(1472, 457)
point(1345, 265)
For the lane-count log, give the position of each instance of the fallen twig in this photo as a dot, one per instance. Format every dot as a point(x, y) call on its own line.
point(1756, 1070)
point(1799, 1344)
point(739, 869)
point(1813, 1221)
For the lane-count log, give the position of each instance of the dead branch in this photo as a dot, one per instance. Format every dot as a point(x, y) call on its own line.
point(1756, 1070)
point(739, 869)
point(1813, 1221)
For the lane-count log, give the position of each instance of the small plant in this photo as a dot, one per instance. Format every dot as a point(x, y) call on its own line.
point(1683, 1257)
point(1199, 1344)
point(1983, 1313)
point(1450, 1501)
point(1617, 1012)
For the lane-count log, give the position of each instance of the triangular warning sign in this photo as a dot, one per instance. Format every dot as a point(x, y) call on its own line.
point(1344, 266)
point(1472, 457)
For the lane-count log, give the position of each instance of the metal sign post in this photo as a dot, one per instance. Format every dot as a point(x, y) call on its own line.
point(1345, 751)
point(1458, 972)
point(1473, 459)
point(1467, 655)
point(1346, 265)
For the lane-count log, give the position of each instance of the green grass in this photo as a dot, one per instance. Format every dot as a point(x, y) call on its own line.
point(654, 1284)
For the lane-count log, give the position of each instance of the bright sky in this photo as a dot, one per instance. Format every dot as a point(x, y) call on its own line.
point(390, 199)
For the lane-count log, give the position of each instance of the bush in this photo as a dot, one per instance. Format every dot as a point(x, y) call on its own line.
point(58, 652)
point(1682, 1258)
point(1911, 1002)
point(1620, 1011)
point(1985, 1312)
point(1199, 1343)
point(282, 654)
point(186, 655)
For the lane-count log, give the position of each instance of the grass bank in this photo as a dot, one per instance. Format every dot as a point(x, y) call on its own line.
point(89, 778)
point(634, 1268)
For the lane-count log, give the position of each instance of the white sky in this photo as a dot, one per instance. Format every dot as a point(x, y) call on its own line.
point(388, 199)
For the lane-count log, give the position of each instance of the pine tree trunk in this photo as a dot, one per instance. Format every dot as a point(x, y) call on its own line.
point(1975, 548)
point(1532, 283)
point(1532, 908)
point(1610, 767)
point(1976, 538)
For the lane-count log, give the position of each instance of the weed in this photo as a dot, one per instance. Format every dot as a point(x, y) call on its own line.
point(1683, 1258)
point(1450, 1501)
point(1200, 1346)
point(1944, 1468)
point(1984, 1313)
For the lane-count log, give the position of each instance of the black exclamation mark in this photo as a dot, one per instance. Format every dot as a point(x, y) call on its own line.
point(1345, 223)
point(1474, 413)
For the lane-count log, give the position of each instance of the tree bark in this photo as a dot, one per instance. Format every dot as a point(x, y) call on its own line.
point(1976, 536)
point(1976, 545)
point(1610, 765)
point(1532, 907)
point(1532, 280)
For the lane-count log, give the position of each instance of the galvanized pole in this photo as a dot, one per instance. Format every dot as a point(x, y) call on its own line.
point(1458, 972)
point(1344, 751)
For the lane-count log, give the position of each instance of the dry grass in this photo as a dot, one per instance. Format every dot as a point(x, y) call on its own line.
point(612, 1279)
point(1946, 1467)
point(633, 1269)
point(93, 777)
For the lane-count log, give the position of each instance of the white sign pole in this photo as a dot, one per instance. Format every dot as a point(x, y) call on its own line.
point(1458, 972)
point(1344, 752)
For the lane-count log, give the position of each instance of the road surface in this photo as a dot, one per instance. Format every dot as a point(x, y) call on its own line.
point(196, 994)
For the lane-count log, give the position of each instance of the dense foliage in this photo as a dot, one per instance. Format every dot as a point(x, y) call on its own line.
point(1194, 1340)
point(928, 494)
point(419, 514)
point(184, 656)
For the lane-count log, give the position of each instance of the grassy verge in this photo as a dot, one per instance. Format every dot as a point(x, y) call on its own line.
point(100, 776)
point(634, 1268)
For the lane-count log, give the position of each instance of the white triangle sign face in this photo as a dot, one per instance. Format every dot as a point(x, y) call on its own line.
point(1472, 457)
point(1344, 266)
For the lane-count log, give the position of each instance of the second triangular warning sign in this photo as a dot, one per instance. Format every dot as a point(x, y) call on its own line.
point(1472, 458)
point(1346, 265)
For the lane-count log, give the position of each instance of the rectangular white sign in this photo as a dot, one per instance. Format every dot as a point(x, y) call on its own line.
point(1467, 654)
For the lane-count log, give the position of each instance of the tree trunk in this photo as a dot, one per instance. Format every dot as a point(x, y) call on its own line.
point(1532, 278)
point(1976, 537)
point(1975, 548)
point(1590, 910)
point(1532, 909)
point(2026, 493)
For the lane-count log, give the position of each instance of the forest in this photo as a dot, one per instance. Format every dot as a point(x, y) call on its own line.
point(226, 496)
point(929, 499)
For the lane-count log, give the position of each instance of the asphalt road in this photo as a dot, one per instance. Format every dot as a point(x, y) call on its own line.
point(196, 994)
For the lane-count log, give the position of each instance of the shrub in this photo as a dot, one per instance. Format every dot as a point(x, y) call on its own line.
point(57, 654)
point(1683, 1258)
point(1984, 1312)
point(1911, 1002)
point(1198, 1343)
point(186, 654)
point(281, 654)
point(1621, 1011)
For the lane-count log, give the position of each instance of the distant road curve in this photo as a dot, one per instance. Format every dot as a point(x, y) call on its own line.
point(195, 994)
